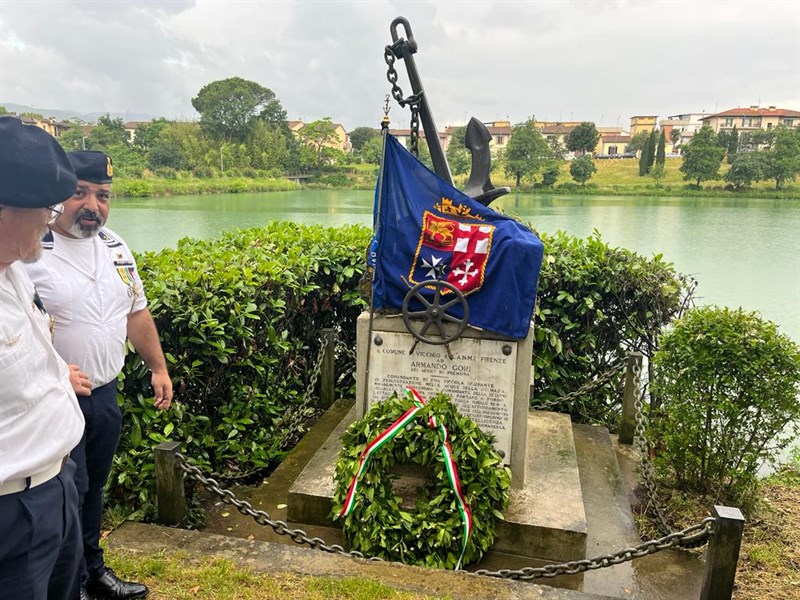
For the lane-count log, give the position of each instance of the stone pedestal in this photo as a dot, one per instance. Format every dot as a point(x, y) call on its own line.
point(487, 376)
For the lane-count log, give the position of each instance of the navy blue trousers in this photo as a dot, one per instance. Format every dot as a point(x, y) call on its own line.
point(40, 541)
point(93, 457)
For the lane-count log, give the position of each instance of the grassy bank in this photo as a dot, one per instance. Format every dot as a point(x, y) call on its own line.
point(183, 186)
point(178, 576)
point(619, 177)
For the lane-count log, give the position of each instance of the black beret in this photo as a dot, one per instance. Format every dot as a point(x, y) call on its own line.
point(91, 165)
point(34, 170)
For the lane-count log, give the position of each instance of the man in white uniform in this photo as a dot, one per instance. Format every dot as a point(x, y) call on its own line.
point(88, 281)
point(40, 421)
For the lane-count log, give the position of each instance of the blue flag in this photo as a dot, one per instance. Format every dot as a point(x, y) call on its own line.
point(427, 229)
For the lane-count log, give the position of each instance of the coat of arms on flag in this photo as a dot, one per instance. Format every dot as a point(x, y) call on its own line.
point(452, 251)
point(427, 230)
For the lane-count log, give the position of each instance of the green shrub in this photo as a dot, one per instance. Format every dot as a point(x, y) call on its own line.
point(239, 320)
point(133, 188)
point(729, 384)
point(596, 304)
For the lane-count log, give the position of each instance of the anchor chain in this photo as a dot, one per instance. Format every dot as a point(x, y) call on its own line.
point(691, 537)
point(397, 93)
point(642, 445)
point(586, 388)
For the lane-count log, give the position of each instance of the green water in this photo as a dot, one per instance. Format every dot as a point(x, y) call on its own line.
point(743, 252)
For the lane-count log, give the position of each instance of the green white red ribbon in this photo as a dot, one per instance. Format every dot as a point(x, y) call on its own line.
point(447, 454)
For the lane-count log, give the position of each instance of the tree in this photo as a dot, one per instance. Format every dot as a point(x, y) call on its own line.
point(583, 138)
point(458, 156)
point(550, 173)
point(702, 157)
point(657, 173)
point(320, 135)
point(661, 155)
point(361, 135)
point(229, 107)
point(674, 136)
point(371, 150)
point(648, 155)
point(783, 159)
point(72, 139)
point(147, 133)
point(3, 110)
point(582, 169)
point(733, 145)
point(106, 133)
point(638, 142)
point(527, 152)
point(746, 168)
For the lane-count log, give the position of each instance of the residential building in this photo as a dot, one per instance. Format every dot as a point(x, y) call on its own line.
point(131, 127)
point(613, 143)
point(499, 130)
point(752, 118)
point(643, 123)
point(687, 124)
point(341, 141)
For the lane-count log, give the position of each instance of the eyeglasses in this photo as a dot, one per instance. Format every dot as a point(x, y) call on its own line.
point(55, 212)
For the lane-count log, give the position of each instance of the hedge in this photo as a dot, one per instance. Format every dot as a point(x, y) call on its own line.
point(240, 320)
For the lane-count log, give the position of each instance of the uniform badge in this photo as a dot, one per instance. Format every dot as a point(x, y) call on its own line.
point(452, 251)
point(109, 167)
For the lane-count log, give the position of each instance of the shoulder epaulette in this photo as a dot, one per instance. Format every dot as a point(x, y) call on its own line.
point(47, 240)
point(108, 239)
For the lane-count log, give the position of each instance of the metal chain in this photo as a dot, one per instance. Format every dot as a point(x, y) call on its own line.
point(643, 447)
point(262, 517)
point(397, 93)
point(585, 388)
point(689, 537)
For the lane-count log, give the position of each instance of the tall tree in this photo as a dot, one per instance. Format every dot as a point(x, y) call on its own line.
point(638, 142)
point(661, 153)
point(229, 107)
point(702, 157)
point(361, 135)
point(458, 156)
point(321, 136)
point(106, 133)
point(652, 142)
point(783, 158)
point(583, 138)
point(647, 156)
point(527, 152)
point(747, 167)
point(582, 169)
point(733, 145)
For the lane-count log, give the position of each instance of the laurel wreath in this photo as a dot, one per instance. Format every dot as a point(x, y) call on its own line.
point(431, 534)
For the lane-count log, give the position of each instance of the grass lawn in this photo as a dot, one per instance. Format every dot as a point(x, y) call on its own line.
point(178, 576)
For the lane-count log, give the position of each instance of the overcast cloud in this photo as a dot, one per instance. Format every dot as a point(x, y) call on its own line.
point(558, 60)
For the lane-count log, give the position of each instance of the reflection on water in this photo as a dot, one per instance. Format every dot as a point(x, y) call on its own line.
point(744, 252)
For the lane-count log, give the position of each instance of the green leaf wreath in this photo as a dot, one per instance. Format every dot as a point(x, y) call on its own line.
point(432, 534)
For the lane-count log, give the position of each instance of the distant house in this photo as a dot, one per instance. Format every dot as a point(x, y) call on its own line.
point(643, 123)
point(752, 118)
point(555, 130)
point(131, 127)
point(686, 123)
point(612, 143)
point(499, 130)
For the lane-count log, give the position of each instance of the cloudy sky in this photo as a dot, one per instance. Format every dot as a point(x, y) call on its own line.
point(556, 60)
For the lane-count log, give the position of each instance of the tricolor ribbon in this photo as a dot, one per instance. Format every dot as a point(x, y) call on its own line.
point(447, 454)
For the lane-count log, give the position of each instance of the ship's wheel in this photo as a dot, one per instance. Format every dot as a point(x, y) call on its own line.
point(434, 313)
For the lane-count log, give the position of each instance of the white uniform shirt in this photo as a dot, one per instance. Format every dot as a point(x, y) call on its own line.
point(40, 420)
point(90, 286)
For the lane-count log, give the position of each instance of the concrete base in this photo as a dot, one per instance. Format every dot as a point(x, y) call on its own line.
point(544, 520)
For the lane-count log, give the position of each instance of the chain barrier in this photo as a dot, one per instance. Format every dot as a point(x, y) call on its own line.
point(586, 388)
point(642, 446)
point(412, 101)
point(262, 517)
point(691, 537)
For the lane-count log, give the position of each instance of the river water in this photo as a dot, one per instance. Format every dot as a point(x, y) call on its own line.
point(743, 252)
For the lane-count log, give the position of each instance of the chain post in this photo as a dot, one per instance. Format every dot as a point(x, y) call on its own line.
point(627, 427)
point(723, 554)
point(170, 496)
point(327, 392)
